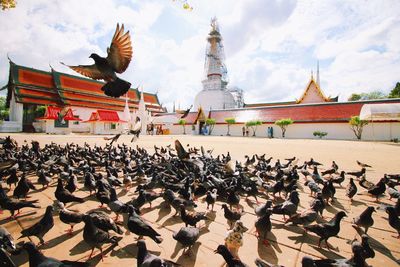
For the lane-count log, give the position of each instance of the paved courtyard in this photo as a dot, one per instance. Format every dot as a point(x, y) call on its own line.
point(288, 243)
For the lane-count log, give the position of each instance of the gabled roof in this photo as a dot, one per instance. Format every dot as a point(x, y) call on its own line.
point(59, 89)
point(312, 85)
point(104, 116)
point(51, 113)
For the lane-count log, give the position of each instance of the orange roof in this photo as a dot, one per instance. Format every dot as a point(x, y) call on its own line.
point(318, 89)
point(51, 113)
point(59, 89)
point(104, 116)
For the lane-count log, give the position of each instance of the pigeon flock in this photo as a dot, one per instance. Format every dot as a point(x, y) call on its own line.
point(181, 179)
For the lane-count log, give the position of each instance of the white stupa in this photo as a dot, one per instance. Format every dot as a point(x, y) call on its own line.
point(214, 94)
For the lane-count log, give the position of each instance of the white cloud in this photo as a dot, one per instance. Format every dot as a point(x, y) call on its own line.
point(270, 45)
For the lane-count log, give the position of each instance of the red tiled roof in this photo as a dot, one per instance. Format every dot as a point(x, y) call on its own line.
point(51, 113)
point(104, 116)
point(326, 112)
point(59, 89)
point(69, 116)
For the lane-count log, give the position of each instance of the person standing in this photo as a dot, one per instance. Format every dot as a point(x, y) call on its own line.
point(243, 130)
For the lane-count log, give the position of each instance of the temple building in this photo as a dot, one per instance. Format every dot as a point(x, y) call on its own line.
point(87, 109)
point(215, 94)
point(312, 111)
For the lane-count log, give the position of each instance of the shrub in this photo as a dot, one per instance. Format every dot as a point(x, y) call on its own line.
point(320, 134)
point(283, 124)
point(253, 125)
point(357, 125)
point(229, 121)
point(211, 124)
point(183, 123)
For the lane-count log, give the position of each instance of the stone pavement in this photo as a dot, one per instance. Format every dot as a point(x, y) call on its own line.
point(288, 243)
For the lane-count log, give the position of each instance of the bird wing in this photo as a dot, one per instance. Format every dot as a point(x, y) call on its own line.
point(120, 51)
point(90, 71)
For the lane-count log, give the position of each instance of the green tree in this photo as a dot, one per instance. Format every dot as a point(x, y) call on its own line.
point(40, 111)
point(7, 4)
point(357, 125)
point(395, 93)
point(283, 124)
point(367, 96)
point(211, 123)
point(253, 125)
point(229, 121)
point(183, 123)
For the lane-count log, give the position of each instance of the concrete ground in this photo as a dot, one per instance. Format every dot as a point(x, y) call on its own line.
point(288, 243)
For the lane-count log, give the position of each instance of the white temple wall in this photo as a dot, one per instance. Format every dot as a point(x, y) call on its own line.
point(384, 131)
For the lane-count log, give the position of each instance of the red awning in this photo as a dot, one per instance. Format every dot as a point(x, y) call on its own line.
point(51, 113)
point(69, 116)
point(104, 116)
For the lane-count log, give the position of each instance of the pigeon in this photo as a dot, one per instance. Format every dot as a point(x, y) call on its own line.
point(5, 259)
point(12, 205)
point(392, 192)
point(6, 239)
point(314, 188)
point(182, 154)
point(23, 187)
point(119, 55)
point(187, 237)
point(186, 112)
point(231, 216)
point(113, 139)
point(228, 257)
point(289, 206)
point(233, 199)
point(116, 205)
point(263, 227)
point(139, 227)
point(260, 210)
point(72, 184)
point(234, 238)
point(364, 246)
point(89, 182)
point(211, 197)
point(363, 165)
point(365, 218)
point(37, 259)
point(64, 196)
point(306, 217)
point(43, 179)
point(327, 230)
point(192, 218)
point(307, 261)
point(68, 217)
point(95, 237)
point(103, 221)
point(378, 189)
point(40, 228)
point(146, 259)
point(351, 189)
point(318, 204)
point(394, 220)
point(365, 183)
point(357, 174)
point(339, 179)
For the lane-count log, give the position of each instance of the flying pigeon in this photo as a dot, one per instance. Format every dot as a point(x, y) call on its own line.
point(119, 55)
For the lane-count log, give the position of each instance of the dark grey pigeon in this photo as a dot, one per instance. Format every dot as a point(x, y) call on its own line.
point(40, 228)
point(119, 55)
point(394, 220)
point(139, 227)
point(365, 219)
point(6, 239)
point(351, 189)
point(187, 236)
point(37, 259)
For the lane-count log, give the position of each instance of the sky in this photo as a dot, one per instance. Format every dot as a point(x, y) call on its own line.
point(271, 46)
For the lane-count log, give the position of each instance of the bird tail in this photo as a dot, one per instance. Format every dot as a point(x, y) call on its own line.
point(75, 263)
point(116, 88)
point(157, 239)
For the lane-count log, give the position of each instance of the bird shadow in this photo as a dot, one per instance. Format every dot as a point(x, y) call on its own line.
point(187, 259)
point(79, 248)
point(378, 246)
point(58, 240)
point(163, 211)
point(251, 203)
point(20, 216)
point(327, 253)
point(338, 205)
point(94, 261)
point(150, 209)
point(20, 259)
point(171, 221)
point(357, 203)
point(267, 253)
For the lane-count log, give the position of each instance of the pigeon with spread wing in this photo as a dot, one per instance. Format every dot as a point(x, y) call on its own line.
point(119, 55)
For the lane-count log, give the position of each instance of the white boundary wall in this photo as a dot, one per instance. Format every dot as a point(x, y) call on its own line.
point(379, 131)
